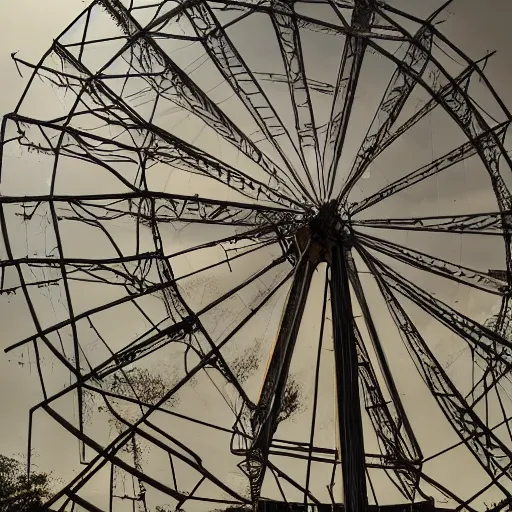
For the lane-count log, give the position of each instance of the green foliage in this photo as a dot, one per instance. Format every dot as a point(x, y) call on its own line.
point(18, 495)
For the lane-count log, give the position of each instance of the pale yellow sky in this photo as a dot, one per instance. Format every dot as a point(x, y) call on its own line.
point(30, 26)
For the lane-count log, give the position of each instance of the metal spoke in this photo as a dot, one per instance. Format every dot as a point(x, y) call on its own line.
point(396, 96)
point(494, 456)
point(429, 263)
point(265, 415)
point(118, 442)
point(459, 154)
point(442, 90)
point(472, 224)
point(288, 34)
point(162, 147)
point(169, 208)
point(169, 283)
point(243, 81)
point(480, 338)
point(178, 85)
point(494, 351)
point(390, 423)
point(346, 84)
point(459, 106)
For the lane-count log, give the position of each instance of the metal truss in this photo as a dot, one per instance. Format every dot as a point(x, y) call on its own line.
point(189, 188)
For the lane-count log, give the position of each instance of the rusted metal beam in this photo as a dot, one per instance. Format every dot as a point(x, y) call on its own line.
point(350, 425)
point(265, 417)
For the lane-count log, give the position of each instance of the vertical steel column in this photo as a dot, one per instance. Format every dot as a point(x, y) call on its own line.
point(351, 441)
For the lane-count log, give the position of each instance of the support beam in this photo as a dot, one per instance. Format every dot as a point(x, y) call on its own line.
point(266, 415)
point(350, 425)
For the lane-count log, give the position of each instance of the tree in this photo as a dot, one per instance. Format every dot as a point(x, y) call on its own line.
point(245, 365)
point(145, 386)
point(17, 494)
point(291, 403)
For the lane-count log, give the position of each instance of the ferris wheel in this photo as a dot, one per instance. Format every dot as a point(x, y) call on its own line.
point(262, 253)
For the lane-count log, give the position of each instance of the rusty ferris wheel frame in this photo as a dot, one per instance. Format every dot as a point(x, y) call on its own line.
point(299, 209)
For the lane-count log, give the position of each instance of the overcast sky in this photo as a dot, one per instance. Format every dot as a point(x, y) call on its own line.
point(29, 27)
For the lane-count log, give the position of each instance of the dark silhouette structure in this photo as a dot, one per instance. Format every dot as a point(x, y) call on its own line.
point(172, 142)
point(499, 274)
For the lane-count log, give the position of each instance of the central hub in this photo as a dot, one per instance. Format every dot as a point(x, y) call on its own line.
point(327, 226)
point(323, 230)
